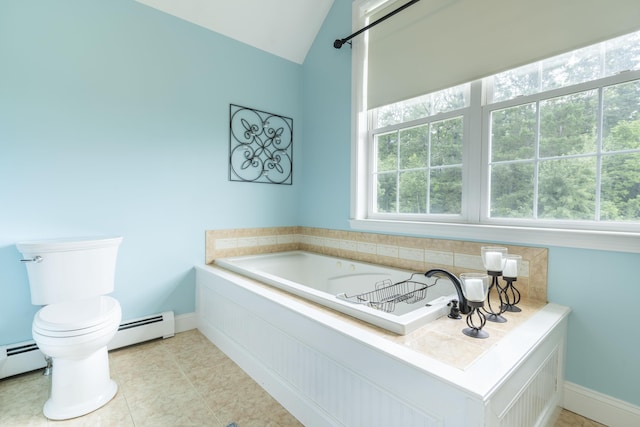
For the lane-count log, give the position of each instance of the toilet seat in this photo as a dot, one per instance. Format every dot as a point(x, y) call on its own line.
point(77, 318)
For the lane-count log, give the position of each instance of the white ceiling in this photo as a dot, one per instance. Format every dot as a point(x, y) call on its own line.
point(285, 28)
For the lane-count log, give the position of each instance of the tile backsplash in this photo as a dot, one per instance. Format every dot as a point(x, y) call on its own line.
point(408, 253)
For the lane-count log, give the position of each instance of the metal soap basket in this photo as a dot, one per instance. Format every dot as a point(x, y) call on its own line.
point(386, 294)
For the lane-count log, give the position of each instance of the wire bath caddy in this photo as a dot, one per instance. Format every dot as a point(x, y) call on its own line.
point(387, 294)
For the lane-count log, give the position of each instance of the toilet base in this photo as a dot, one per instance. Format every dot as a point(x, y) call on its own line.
point(79, 386)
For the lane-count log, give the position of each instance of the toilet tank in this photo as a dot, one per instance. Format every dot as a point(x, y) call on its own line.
point(70, 269)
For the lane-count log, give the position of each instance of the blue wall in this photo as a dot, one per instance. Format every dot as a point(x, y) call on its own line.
point(114, 120)
point(327, 123)
point(603, 292)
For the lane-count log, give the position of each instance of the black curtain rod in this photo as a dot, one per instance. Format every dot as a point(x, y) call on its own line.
point(339, 42)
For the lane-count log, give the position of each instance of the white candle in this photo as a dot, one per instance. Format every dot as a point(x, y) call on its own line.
point(493, 261)
point(474, 290)
point(510, 268)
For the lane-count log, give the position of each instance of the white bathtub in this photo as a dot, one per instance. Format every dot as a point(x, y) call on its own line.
point(335, 283)
point(330, 371)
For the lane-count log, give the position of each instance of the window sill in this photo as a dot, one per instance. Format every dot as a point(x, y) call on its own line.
point(599, 240)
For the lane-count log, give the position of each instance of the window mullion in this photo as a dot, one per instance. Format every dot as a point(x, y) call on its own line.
point(536, 169)
point(398, 171)
point(428, 174)
point(600, 124)
point(475, 159)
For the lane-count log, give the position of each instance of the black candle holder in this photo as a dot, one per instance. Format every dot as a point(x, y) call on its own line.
point(474, 329)
point(494, 315)
point(511, 296)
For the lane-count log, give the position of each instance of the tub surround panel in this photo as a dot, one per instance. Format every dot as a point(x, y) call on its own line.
point(440, 339)
point(483, 384)
point(404, 252)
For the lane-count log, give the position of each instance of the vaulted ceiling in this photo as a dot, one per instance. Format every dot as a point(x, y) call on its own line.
point(285, 28)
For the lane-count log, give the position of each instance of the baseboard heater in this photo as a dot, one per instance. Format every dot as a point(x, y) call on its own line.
point(25, 356)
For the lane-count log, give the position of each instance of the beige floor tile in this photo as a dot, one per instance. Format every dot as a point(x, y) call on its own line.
point(569, 419)
point(181, 381)
point(22, 398)
point(184, 408)
point(115, 413)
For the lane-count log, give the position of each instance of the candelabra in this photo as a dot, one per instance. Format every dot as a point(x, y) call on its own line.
point(475, 288)
point(494, 259)
point(511, 295)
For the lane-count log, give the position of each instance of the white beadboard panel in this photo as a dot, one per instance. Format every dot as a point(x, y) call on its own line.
point(346, 397)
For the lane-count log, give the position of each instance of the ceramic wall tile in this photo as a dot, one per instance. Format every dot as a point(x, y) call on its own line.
point(413, 253)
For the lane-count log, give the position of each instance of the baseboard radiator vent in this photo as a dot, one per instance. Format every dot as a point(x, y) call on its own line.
point(20, 357)
point(135, 331)
point(26, 356)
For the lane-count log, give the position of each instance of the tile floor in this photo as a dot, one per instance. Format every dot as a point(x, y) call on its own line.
point(181, 381)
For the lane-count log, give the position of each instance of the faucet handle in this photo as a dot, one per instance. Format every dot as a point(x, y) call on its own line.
point(454, 313)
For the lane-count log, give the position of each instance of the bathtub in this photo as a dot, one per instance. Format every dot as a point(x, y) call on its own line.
point(329, 370)
point(395, 300)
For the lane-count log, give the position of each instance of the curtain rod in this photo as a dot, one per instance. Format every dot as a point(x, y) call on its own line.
point(339, 42)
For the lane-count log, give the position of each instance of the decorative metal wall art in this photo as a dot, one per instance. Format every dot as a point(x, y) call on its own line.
point(260, 146)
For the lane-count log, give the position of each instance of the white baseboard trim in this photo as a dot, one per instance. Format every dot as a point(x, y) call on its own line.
point(600, 407)
point(186, 322)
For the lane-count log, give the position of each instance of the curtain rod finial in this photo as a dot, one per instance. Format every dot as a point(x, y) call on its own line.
point(338, 43)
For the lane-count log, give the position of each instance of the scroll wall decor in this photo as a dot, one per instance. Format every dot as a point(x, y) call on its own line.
point(260, 146)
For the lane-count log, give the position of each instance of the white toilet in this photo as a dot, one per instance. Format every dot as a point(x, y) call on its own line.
point(71, 278)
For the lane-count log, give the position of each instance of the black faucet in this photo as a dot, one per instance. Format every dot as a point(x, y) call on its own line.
point(438, 273)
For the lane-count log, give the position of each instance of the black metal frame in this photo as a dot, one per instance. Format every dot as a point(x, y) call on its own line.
point(260, 146)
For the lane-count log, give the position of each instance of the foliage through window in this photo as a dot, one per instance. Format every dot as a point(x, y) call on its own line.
point(561, 137)
point(419, 145)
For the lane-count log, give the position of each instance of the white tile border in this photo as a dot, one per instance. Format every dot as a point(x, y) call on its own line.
point(439, 257)
point(367, 248)
point(411, 254)
point(228, 243)
point(388, 251)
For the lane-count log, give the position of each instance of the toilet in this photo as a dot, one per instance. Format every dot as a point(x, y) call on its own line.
point(71, 279)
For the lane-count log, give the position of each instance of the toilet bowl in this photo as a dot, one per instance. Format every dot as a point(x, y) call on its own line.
point(76, 339)
point(70, 278)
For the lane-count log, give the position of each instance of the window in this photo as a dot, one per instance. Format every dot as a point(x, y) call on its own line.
point(417, 146)
point(570, 157)
point(551, 144)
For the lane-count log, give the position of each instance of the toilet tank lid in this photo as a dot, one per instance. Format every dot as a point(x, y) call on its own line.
point(68, 244)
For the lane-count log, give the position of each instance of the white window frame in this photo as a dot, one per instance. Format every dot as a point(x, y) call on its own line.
point(476, 223)
point(371, 190)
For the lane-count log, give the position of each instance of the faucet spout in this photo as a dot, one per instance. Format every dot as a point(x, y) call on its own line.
point(439, 273)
